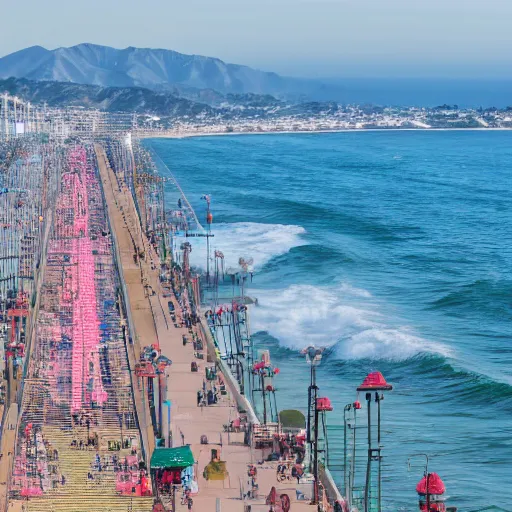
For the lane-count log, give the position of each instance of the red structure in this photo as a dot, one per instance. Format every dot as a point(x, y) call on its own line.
point(145, 369)
point(323, 404)
point(430, 490)
point(375, 381)
point(373, 384)
point(133, 483)
point(87, 384)
point(431, 484)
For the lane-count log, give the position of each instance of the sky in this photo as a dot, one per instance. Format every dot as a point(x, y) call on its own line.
point(311, 38)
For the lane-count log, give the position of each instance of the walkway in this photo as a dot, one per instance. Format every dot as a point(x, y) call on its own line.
point(152, 321)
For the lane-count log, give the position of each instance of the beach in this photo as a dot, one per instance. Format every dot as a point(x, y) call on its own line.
point(156, 134)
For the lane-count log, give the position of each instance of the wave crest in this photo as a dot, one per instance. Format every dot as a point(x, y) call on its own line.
point(395, 344)
point(262, 242)
point(301, 315)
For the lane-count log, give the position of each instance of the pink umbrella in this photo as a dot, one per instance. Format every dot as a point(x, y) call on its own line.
point(131, 460)
point(31, 491)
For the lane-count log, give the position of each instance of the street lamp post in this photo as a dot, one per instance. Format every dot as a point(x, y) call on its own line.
point(168, 403)
point(313, 358)
point(374, 383)
point(209, 219)
point(426, 474)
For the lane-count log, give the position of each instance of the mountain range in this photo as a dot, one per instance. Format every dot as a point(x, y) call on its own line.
point(109, 99)
point(209, 80)
point(155, 69)
point(159, 103)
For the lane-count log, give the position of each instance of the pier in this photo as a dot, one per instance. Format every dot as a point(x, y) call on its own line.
point(130, 381)
point(189, 422)
point(102, 366)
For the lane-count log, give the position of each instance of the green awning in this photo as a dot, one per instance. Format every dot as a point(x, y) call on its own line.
point(178, 458)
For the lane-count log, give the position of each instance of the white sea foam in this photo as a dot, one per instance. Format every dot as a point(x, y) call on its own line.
point(301, 315)
point(348, 289)
point(261, 242)
point(342, 317)
point(388, 343)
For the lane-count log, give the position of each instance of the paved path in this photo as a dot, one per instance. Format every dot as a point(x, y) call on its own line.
point(152, 320)
point(128, 237)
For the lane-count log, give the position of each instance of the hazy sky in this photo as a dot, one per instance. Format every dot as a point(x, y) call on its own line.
point(438, 38)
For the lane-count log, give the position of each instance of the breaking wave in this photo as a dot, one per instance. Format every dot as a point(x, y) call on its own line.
point(261, 242)
point(301, 315)
point(395, 344)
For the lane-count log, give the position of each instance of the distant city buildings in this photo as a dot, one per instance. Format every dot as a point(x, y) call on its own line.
point(350, 117)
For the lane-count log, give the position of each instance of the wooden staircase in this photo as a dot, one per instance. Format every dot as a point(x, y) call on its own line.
point(79, 493)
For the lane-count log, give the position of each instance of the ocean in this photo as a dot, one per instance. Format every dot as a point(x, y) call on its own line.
point(394, 249)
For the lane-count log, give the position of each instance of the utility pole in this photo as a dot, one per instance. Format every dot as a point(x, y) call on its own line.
point(374, 382)
point(6, 115)
point(209, 220)
point(313, 358)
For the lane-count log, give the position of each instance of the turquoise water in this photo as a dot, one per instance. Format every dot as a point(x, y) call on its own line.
point(394, 249)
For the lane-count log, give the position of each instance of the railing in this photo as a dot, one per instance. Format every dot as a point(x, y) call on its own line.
point(168, 172)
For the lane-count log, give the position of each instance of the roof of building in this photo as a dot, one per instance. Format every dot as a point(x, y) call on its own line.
point(178, 458)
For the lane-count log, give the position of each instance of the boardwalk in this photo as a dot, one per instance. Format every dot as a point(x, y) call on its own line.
point(84, 427)
point(189, 422)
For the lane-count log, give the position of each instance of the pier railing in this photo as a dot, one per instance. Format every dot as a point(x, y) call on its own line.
point(241, 401)
point(168, 174)
point(260, 436)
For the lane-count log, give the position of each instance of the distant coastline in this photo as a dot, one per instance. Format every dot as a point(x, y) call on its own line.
point(186, 135)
